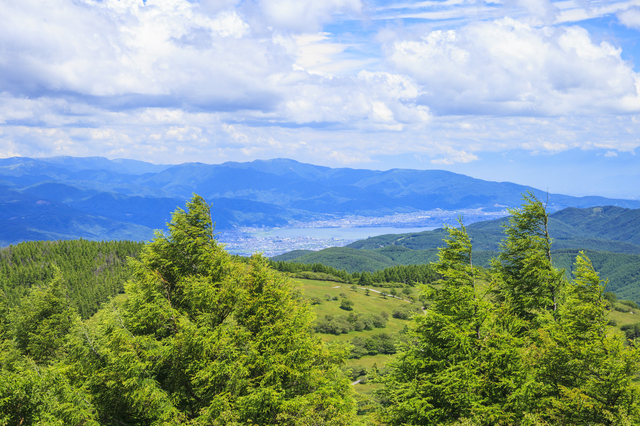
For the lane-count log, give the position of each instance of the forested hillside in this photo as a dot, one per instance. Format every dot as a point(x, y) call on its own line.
point(203, 337)
point(93, 271)
point(609, 228)
point(610, 235)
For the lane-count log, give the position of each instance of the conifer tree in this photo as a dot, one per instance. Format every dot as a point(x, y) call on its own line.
point(528, 282)
point(435, 378)
point(537, 353)
point(36, 386)
point(584, 374)
point(206, 339)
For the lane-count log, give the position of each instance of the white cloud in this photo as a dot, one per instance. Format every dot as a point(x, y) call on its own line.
point(453, 156)
point(374, 101)
point(176, 80)
point(507, 67)
point(111, 48)
point(630, 17)
point(305, 15)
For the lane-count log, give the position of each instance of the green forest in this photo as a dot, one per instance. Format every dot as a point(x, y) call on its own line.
point(178, 331)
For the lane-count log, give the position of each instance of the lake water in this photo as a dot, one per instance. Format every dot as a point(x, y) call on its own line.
point(335, 233)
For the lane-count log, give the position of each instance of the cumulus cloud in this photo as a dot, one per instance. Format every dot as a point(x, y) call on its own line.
point(178, 80)
point(119, 55)
point(372, 100)
point(305, 15)
point(630, 17)
point(507, 67)
point(158, 53)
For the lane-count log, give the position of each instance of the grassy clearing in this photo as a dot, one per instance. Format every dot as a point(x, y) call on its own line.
point(624, 318)
point(373, 304)
point(369, 362)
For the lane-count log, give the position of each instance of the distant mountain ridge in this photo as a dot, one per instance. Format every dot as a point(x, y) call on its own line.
point(97, 198)
point(608, 228)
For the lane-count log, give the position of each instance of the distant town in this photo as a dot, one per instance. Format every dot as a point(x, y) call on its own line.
point(298, 236)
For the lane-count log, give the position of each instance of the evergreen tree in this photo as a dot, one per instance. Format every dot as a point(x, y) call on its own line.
point(583, 373)
point(206, 339)
point(528, 282)
point(365, 279)
point(538, 353)
point(36, 386)
point(43, 321)
point(434, 379)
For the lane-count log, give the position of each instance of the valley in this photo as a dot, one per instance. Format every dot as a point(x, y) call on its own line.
point(96, 198)
point(353, 284)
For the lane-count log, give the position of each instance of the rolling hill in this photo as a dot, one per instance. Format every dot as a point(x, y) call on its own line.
point(610, 236)
point(609, 228)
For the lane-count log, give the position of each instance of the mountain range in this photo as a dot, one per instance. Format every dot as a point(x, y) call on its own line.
point(96, 198)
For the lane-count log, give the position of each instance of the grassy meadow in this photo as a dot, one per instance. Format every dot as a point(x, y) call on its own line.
point(373, 304)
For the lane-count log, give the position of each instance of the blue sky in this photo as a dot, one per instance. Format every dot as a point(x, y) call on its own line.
point(539, 92)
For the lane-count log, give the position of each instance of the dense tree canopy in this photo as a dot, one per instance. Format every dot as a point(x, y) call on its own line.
point(200, 338)
point(526, 347)
point(93, 271)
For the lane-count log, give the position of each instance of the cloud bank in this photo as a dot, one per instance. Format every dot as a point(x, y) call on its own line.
point(331, 82)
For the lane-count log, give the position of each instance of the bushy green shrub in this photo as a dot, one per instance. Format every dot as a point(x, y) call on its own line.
point(340, 325)
point(346, 304)
point(382, 343)
point(405, 312)
point(631, 331)
point(333, 325)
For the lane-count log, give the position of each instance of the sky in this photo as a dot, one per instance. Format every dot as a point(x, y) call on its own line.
point(537, 92)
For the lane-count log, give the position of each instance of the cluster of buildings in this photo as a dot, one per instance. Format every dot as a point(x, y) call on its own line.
point(298, 235)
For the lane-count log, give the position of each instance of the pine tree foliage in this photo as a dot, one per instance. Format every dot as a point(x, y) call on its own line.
point(528, 281)
point(536, 351)
point(584, 374)
point(93, 271)
point(35, 385)
point(435, 376)
point(204, 339)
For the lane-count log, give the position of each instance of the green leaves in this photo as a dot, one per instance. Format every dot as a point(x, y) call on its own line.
point(207, 339)
point(537, 351)
point(527, 280)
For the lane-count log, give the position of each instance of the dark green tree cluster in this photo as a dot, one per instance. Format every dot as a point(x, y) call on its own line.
point(411, 275)
point(199, 339)
point(382, 343)
point(339, 324)
point(93, 271)
point(296, 267)
point(406, 274)
point(526, 347)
